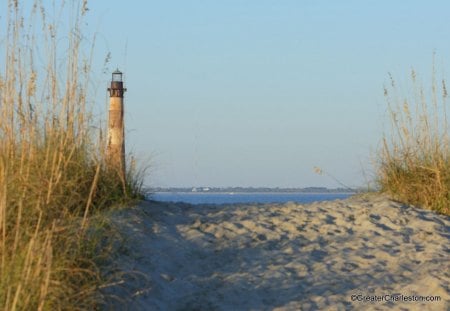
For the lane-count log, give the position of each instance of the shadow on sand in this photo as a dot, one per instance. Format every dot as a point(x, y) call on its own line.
point(264, 257)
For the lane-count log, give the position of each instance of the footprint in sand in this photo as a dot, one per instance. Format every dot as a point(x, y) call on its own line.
point(351, 218)
point(318, 255)
point(330, 220)
point(368, 256)
point(261, 237)
point(349, 266)
point(419, 248)
point(406, 234)
point(167, 277)
point(374, 217)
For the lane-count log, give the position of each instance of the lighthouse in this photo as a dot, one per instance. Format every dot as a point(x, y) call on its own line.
point(116, 130)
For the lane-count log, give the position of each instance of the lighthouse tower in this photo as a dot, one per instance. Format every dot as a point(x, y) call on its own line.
point(116, 134)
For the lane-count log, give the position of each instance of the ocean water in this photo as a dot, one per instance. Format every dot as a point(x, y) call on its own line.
point(231, 198)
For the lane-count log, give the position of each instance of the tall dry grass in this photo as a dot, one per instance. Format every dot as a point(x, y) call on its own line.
point(414, 162)
point(52, 172)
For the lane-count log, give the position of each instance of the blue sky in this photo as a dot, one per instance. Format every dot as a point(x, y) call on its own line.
point(258, 92)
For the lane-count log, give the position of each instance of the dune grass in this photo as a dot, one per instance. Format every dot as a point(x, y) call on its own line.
point(414, 162)
point(53, 177)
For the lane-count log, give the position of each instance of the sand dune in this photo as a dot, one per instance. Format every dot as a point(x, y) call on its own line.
point(320, 256)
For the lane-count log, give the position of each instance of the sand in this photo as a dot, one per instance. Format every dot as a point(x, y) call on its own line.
point(319, 256)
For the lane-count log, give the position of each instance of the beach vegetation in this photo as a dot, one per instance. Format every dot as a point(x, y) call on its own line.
point(53, 178)
point(414, 159)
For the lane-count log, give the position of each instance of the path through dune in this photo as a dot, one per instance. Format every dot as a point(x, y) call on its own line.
point(320, 256)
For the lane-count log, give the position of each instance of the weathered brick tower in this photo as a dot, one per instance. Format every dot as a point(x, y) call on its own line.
point(116, 130)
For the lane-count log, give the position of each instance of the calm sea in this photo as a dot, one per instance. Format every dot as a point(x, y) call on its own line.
point(230, 198)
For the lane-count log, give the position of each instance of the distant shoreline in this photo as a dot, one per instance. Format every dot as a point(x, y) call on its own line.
point(246, 197)
point(256, 192)
point(243, 190)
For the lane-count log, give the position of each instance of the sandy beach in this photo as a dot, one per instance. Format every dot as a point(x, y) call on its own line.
point(362, 253)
